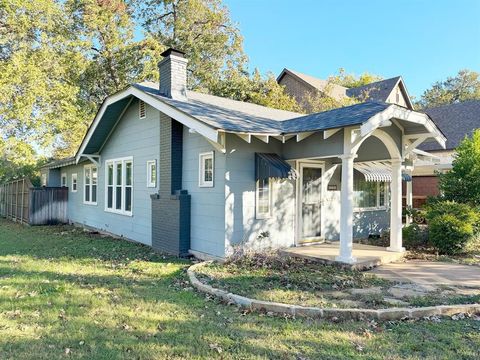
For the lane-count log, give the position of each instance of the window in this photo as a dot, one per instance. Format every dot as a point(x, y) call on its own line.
point(142, 111)
point(90, 184)
point(119, 186)
point(64, 180)
point(263, 198)
point(152, 173)
point(74, 182)
point(369, 194)
point(44, 179)
point(206, 170)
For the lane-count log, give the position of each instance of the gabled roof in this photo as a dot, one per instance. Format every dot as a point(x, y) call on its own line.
point(456, 121)
point(336, 91)
point(211, 116)
point(376, 91)
point(224, 113)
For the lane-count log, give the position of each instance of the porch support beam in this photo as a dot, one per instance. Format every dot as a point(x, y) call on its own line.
point(396, 208)
point(346, 211)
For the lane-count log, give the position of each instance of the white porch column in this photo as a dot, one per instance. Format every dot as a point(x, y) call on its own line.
point(396, 208)
point(346, 211)
point(409, 196)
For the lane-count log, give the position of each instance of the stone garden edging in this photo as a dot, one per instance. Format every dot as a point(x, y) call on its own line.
point(328, 313)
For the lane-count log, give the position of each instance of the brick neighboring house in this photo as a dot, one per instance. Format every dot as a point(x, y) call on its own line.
point(455, 121)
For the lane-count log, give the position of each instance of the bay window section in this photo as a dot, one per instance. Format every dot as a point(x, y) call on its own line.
point(119, 186)
point(90, 180)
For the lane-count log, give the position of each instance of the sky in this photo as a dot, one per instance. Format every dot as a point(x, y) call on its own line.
point(424, 41)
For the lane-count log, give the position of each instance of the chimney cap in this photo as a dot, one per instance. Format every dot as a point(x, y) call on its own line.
point(172, 51)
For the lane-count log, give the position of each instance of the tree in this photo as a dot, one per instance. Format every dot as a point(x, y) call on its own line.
point(352, 81)
point(462, 182)
point(464, 86)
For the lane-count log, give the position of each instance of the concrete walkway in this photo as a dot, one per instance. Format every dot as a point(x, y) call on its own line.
point(430, 273)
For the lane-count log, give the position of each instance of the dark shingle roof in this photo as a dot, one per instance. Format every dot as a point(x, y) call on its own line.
point(456, 121)
point(59, 163)
point(376, 91)
point(345, 116)
point(236, 116)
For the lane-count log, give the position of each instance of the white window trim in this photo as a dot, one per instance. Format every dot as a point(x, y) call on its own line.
point(62, 177)
point(75, 189)
point(89, 166)
point(376, 208)
point(140, 104)
point(259, 215)
point(201, 169)
point(124, 172)
point(151, 184)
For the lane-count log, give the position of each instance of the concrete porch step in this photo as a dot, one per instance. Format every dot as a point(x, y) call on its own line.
point(367, 256)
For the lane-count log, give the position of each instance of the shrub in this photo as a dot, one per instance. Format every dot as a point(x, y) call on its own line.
point(462, 212)
point(415, 237)
point(449, 234)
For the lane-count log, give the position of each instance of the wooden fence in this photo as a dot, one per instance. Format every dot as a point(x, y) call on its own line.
point(14, 198)
point(48, 205)
point(20, 201)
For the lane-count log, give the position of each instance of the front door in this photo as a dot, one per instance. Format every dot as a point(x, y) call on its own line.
point(310, 212)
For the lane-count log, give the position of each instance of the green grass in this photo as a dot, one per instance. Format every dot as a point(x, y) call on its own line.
point(102, 298)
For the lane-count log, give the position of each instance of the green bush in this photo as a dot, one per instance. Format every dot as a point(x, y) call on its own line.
point(449, 234)
point(462, 212)
point(415, 237)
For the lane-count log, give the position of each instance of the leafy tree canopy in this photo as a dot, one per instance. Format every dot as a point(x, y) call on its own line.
point(462, 87)
point(462, 183)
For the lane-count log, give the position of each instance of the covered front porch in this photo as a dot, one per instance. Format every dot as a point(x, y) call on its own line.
point(381, 148)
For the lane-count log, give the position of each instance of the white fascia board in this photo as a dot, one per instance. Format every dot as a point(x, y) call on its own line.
point(394, 111)
point(187, 120)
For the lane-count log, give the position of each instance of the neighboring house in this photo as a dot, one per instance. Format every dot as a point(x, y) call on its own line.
point(186, 172)
point(456, 121)
point(302, 86)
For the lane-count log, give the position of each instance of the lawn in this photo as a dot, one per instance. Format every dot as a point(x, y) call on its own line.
point(68, 294)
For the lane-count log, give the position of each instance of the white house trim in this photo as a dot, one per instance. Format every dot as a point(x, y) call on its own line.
point(187, 120)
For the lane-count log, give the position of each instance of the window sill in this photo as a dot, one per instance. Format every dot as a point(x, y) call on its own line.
point(118, 212)
point(381, 208)
point(89, 203)
point(205, 185)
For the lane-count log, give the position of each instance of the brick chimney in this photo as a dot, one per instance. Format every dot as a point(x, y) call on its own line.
point(173, 74)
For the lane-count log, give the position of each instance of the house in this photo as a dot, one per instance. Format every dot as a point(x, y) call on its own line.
point(191, 173)
point(456, 121)
point(302, 86)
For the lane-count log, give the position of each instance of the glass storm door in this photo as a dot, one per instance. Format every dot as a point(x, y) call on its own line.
point(311, 192)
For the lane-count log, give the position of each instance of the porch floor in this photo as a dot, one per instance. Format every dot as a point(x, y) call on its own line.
point(367, 256)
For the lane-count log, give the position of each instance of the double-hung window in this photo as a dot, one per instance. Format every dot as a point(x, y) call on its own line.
point(119, 186)
point(90, 181)
point(206, 167)
point(263, 196)
point(369, 194)
point(74, 183)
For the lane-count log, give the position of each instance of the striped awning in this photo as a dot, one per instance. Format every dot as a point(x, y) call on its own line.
point(272, 166)
point(379, 171)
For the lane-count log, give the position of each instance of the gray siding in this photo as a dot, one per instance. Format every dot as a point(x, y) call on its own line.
point(241, 225)
point(207, 203)
point(134, 137)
